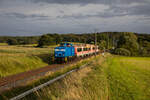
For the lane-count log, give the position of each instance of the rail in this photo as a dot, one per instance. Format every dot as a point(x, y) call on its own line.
point(46, 84)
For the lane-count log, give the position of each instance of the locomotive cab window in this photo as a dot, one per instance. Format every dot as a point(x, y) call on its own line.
point(62, 44)
point(68, 44)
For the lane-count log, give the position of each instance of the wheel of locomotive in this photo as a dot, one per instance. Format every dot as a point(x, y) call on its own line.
point(68, 59)
point(65, 59)
point(72, 58)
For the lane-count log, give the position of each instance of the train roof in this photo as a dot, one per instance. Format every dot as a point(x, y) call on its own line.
point(66, 44)
point(84, 45)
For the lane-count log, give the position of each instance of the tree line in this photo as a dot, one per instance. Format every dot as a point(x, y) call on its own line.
point(122, 43)
point(19, 40)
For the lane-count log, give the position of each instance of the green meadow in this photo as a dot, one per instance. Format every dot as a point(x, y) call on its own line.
point(20, 58)
point(106, 78)
point(128, 78)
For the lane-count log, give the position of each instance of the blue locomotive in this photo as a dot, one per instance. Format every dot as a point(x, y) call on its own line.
point(64, 52)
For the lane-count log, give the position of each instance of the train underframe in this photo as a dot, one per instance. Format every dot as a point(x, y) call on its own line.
point(71, 58)
point(64, 59)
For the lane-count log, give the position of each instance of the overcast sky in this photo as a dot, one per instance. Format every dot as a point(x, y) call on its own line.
point(36, 17)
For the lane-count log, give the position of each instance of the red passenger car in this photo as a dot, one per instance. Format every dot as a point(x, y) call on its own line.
point(82, 50)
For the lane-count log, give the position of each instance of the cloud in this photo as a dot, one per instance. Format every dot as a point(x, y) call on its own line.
point(100, 15)
point(116, 7)
point(140, 10)
point(137, 9)
point(23, 16)
point(90, 1)
point(69, 1)
point(63, 16)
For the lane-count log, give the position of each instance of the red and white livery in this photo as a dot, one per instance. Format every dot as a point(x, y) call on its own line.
point(82, 50)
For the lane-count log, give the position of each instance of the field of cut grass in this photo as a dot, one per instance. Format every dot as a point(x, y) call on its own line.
point(109, 78)
point(20, 58)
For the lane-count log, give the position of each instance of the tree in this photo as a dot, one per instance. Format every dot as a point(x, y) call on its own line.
point(102, 45)
point(143, 52)
point(58, 39)
point(12, 41)
point(46, 40)
point(128, 41)
point(122, 51)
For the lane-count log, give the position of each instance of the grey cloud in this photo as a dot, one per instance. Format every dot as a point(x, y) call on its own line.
point(91, 1)
point(140, 10)
point(1, 2)
point(22, 16)
point(101, 15)
point(114, 10)
point(68, 1)
point(64, 23)
point(143, 9)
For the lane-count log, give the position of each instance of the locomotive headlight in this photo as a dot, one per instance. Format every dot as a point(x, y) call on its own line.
point(59, 49)
point(56, 49)
point(62, 49)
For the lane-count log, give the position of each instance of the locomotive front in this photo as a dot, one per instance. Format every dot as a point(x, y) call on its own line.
point(64, 52)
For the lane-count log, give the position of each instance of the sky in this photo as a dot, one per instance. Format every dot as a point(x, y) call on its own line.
point(36, 17)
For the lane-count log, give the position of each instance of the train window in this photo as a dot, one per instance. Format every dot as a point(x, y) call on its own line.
point(79, 49)
point(61, 44)
point(68, 44)
point(84, 49)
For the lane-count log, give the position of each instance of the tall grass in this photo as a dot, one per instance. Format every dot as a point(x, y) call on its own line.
point(113, 78)
point(16, 59)
point(16, 91)
point(85, 84)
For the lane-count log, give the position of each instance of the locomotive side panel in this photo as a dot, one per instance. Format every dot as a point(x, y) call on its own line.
point(64, 51)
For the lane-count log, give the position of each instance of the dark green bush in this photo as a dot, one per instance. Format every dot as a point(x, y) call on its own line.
point(122, 51)
point(12, 41)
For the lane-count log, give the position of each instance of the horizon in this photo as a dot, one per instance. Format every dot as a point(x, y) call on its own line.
point(37, 17)
point(67, 33)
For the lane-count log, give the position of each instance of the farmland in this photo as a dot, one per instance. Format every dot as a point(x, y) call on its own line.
point(16, 59)
point(112, 77)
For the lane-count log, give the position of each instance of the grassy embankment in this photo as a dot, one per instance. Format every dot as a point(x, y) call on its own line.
point(16, 59)
point(117, 78)
point(76, 86)
point(20, 58)
point(16, 91)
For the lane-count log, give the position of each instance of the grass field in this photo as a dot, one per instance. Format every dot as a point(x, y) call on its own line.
point(16, 91)
point(129, 78)
point(16, 59)
point(20, 58)
point(110, 78)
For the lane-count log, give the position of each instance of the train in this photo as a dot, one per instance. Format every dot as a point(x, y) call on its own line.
point(67, 51)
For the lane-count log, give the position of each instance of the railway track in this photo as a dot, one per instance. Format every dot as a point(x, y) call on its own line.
point(45, 84)
point(22, 79)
